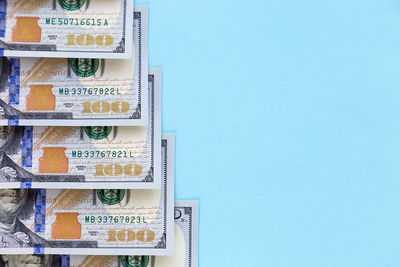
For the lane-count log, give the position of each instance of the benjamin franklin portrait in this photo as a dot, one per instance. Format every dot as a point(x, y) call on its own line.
point(17, 205)
point(29, 261)
point(6, 111)
point(10, 144)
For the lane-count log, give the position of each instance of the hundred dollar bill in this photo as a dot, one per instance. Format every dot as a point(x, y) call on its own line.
point(92, 222)
point(185, 251)
point(85, 157)
point(66, 28)
point(78, 91)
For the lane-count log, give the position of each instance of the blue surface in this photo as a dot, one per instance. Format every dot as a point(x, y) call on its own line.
point(287, 126)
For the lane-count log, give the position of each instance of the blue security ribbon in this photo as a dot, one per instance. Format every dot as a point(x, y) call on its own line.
point(13, 120)
point(64, 261)
point(38, 249)
point(40, 211)
point(3, 18)
point(26, 183)
point(14, 80)
point(27, 143)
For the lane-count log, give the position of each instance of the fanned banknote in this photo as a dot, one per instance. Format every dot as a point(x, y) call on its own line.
point(92, 222)
point(185, 251)
point(78, 91)
point(66, 28)
point(87, 157)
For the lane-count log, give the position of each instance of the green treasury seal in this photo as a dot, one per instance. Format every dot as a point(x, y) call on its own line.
point(71, 5)
point(97, 132)
point(111, 196)
point(135, 261)
point(84, 67)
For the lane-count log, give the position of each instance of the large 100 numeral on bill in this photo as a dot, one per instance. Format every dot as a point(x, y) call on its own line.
point(78, 91)
point(93, 222)
point(185, 249)
point(85, 157)
point(66, 28)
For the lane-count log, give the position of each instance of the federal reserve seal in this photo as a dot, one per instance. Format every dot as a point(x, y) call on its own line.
point(84, 67)
point(135, 261)
point(71, 5)
point(97, 132)
point(111, 196)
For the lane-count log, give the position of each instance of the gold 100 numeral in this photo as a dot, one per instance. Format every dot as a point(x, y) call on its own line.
point(89, 40)
point(104, 107)
point(118, 170)
point(129, 236)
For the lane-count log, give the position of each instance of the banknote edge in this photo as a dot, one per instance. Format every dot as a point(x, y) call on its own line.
point(79, 54)
point(142, 110)
point(194, 229)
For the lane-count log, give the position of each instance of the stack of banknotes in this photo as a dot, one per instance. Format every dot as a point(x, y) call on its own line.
point(86, 176)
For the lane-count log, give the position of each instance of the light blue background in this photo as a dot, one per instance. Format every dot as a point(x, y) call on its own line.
point(286, 115)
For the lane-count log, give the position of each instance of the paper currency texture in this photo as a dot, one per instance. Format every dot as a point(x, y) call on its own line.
point(185, 255)
point(78, 91)
point(93, 222)
point(85, 157)
point(66, 28)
